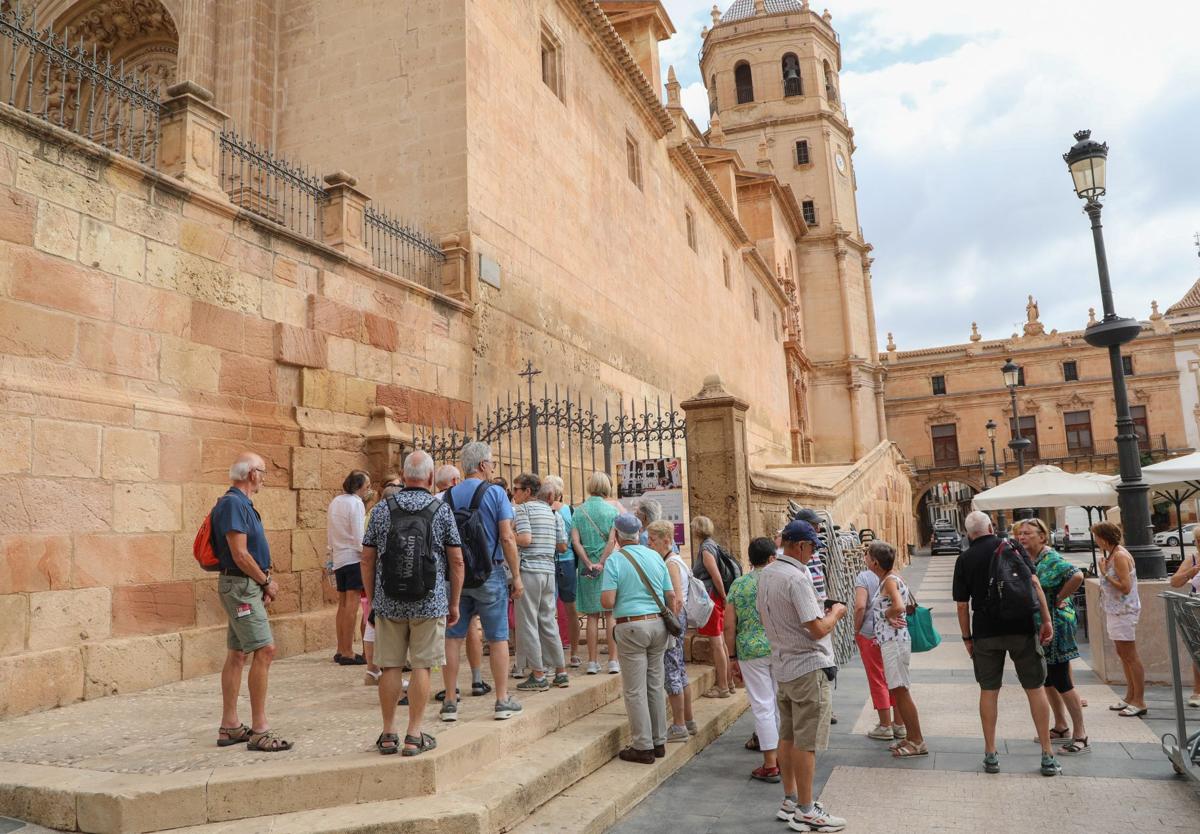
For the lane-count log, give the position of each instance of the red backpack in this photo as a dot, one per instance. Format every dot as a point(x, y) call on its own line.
point(202, 547)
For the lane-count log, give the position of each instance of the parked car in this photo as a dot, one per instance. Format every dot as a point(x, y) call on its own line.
point(945, 539)
point(1065, 539)
point(1170, 538)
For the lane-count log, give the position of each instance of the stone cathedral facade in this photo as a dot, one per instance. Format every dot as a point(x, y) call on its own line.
point(158, 313)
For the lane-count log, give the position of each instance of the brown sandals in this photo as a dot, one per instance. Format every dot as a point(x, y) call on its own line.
point(229, 736)
point(267, 742)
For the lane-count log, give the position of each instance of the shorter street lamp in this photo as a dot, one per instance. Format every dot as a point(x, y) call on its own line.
point(981, 456)
point(997, 472)
point(1087, 161)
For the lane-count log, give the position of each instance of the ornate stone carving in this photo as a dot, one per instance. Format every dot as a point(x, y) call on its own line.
point(1033, 326)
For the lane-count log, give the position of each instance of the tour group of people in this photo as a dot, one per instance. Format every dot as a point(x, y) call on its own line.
point(465, 545)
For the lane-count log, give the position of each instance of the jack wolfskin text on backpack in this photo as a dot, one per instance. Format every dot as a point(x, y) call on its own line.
point(409, 562)
point(476, 548)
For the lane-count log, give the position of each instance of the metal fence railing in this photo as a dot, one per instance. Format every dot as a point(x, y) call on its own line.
point(58, 79)
point(401, 249)
point(261, 183)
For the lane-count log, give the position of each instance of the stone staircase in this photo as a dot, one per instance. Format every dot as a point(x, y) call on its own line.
point(553, 768)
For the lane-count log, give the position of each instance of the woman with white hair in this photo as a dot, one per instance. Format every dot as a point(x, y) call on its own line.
point(591, 537)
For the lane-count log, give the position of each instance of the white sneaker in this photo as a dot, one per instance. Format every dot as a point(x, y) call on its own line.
point(517, 673)
point(614, 668)
point(593, 668)
point(881, 732)
point(899, 731)
point(816, 820)
point(1194, 701)
point(786, 809)
point(575, 662)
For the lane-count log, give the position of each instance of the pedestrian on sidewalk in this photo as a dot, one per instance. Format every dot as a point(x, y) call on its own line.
point(798, 628)
point(713, 568)
point(410, 549)
point(890, 607)
point(245, 587)
point(540, 538)
point(641, 635)
point(592, 542)
point(1122, 608)
point(1187, 575)
point(345, 525)
point(445, 477)
point(489, 600)
point(566, 580)
point(995, 624)
point(866, 585)
point(1060, 580)
point(660, 536)
point(749, 654)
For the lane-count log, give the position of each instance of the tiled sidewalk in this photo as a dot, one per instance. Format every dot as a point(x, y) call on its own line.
point(1125, 784)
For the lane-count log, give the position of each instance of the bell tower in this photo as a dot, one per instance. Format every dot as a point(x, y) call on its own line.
point(771, 70)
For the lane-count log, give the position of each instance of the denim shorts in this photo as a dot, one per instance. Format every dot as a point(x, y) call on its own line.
point(565, 579)
point(490, 602)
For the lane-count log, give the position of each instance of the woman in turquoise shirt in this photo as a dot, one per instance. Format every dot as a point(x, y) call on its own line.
point(641, 636)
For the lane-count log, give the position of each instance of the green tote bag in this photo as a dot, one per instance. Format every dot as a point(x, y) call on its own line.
point(921, 630)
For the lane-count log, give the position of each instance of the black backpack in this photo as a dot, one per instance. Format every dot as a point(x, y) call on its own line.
point(409, 563)
point(1010, 593)
point(476, 550)
point(727, 566)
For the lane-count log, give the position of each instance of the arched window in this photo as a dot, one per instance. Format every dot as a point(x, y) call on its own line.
point(830, 89)
point(792, 84)
point(745, 82)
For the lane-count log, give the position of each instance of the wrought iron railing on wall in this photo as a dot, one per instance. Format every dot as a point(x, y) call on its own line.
point(273, 188)
point(61, 80)
point(401, 249)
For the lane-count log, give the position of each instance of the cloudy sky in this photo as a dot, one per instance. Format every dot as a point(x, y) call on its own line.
point(962, 111)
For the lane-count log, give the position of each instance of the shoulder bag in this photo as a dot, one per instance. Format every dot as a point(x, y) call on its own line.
point(668, 616)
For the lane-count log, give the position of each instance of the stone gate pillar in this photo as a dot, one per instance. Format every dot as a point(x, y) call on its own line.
point(718, 471)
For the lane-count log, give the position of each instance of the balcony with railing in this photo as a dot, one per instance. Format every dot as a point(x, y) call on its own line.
point(58, 79)
point(1099, 455)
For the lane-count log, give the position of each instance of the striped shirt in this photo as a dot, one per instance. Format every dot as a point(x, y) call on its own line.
point(786, 601)
point(546, 526)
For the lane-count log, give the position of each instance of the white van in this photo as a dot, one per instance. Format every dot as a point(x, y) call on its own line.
point(1073, 529)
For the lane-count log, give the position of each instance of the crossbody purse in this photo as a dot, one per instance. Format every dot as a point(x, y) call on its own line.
point(668, 617)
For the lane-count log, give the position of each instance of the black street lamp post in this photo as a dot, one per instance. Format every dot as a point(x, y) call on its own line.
point(1012, 378)
point(1086, 161)
point(981, 456)
point(997, 472)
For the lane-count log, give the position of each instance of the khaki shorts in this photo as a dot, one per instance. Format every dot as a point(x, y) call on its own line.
point(242, 599)
point(805, 710)
point(419, 643)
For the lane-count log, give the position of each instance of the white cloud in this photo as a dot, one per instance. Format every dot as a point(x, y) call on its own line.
point(961, 114)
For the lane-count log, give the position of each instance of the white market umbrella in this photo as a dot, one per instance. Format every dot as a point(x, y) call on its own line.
point(1047, 486)
point(1176, 480)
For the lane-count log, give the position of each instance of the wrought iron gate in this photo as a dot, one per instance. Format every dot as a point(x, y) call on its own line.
point(561, 433)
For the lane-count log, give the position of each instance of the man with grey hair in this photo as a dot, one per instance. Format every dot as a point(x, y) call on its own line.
point(540, 536)
point(410, 550)
point(990, 632)
point(641, 636)
point(245, 587)
point(477, 495)
point(447, 476)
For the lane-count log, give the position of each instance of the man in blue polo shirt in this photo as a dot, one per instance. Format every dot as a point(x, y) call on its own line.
point(245, 587)
point(489, 600)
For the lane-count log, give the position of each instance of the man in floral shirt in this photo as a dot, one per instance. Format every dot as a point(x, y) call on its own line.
point(415, 631)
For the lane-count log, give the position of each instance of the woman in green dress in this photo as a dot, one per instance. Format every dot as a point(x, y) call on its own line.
point(592, 541)
point(1059, 580)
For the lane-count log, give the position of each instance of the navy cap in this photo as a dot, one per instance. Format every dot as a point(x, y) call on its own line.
point(627, 524)
point(800, 531)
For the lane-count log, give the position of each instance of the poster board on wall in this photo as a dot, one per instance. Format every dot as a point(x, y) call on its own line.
point(660, 479)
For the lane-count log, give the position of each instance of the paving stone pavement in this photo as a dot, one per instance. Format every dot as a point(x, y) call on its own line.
point(1125, 784)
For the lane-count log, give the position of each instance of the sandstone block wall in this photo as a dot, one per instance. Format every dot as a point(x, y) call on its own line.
point(147, 335)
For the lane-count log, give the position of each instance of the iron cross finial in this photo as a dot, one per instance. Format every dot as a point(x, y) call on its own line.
point(529, 373)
